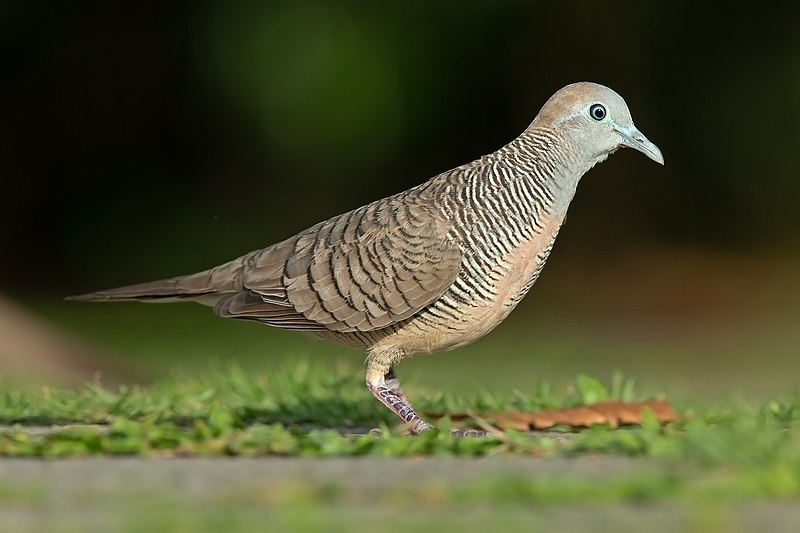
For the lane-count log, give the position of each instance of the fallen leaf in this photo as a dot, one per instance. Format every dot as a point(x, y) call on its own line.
point(612, 413)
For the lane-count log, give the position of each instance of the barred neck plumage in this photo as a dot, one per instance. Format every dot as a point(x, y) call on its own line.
point(516, 189)
point(548, 165)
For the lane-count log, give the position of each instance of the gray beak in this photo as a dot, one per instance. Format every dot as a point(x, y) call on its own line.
point(635, 139)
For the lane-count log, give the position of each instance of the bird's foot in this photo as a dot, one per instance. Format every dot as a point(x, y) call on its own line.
point(468, 433)
point(456, 433)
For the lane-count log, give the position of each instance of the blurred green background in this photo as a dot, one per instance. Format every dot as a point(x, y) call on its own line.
point(145, 141)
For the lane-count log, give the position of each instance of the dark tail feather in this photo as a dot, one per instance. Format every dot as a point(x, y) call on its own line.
point(220, 280)
point(155, 290)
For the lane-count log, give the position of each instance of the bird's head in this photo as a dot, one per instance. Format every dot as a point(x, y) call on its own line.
point(596, 119)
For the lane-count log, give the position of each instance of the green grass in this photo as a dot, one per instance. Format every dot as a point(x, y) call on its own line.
point(297, 410)
point(303, 411)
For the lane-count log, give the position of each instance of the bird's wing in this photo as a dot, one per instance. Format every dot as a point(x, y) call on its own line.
point(359, 271)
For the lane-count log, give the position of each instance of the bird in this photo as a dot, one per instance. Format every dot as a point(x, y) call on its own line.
point(428, 269)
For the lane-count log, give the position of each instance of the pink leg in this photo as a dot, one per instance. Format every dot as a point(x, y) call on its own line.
point(386, 389)
point(393, 384)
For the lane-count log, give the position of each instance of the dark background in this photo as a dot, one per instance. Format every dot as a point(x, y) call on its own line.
point(143, 141)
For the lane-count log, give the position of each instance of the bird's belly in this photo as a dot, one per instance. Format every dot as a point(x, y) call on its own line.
point(451, 323)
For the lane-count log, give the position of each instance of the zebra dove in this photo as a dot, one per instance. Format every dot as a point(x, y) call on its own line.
point(428, 269)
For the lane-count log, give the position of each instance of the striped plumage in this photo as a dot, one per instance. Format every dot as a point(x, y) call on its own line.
point(433, 267)
point(487, 208)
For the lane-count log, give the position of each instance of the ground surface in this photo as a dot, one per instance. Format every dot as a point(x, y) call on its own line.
point(345, 494)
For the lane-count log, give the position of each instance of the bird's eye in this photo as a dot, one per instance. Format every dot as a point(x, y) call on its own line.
point(597, 112)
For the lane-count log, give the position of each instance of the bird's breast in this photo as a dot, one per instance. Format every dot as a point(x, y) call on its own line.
point(475, 306)
point(512, 278)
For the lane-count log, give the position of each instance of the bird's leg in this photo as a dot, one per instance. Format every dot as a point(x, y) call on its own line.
point(393, 384)
point(385, 387)
point(387, 390)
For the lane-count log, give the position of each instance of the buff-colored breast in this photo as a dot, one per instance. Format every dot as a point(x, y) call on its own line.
point(515, 273)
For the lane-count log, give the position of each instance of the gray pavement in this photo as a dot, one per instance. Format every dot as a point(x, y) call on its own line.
point(182, 494)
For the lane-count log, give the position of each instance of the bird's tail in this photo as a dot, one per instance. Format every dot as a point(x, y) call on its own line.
point(205, 287)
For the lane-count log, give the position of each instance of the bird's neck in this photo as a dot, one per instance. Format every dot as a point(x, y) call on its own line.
point(549, 164)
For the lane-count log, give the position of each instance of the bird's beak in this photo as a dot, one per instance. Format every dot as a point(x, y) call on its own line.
point(636, 140)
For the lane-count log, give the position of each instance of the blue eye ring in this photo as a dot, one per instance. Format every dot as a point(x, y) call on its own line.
point(598, 112)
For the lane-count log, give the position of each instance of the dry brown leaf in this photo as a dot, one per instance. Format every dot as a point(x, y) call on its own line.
point(612, 413)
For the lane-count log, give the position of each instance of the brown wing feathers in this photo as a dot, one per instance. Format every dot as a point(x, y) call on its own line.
point(360, 271)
